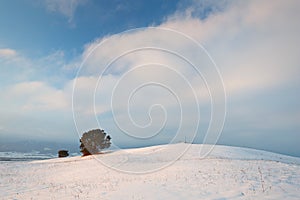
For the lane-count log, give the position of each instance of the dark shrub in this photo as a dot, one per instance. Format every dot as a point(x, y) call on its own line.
point(63, 153)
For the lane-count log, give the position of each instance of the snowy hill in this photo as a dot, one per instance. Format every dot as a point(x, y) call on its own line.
point(173, 171)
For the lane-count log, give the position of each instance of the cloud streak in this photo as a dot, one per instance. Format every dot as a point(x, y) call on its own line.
point(7, 53)
point(64, 7)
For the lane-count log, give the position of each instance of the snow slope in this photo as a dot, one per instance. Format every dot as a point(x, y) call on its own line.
point(158, 172)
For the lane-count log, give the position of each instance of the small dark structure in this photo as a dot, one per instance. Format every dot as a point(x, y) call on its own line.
point(63, 153)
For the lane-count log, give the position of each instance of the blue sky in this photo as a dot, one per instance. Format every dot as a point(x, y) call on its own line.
point(44, 26)
point(47, 47)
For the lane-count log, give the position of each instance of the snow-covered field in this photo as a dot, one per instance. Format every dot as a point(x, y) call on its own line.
point(156, 173)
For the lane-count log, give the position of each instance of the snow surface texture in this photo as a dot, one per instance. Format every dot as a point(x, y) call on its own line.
point(156, 173)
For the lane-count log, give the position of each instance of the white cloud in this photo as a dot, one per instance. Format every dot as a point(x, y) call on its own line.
point(35, 96)
point(255, 43)
point(7, 53)
point(166, 75)
point(85, 90)
point(65, 7)
point(51, 69)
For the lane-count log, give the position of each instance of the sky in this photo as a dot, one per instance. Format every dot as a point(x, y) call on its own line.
point(152, 72)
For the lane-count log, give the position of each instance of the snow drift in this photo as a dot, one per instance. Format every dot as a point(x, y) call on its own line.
point(173, 171)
